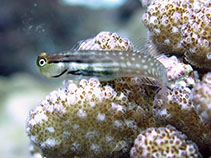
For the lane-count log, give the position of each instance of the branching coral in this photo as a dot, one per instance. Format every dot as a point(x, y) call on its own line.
point(182, 28)
point(84, 120)
point(163, 142)
point(201, 95)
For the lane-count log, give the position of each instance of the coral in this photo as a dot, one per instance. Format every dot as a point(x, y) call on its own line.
point(143, 95)
point(163, 142)
point(181, 96)
point(181, 28)
point(84, 120)
point(164, 19)
point(201, 96)
point(106, 41)
point(177, 72)
point(180, 112)
point(197, 38)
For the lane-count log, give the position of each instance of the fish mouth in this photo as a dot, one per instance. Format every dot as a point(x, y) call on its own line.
point(60, 74)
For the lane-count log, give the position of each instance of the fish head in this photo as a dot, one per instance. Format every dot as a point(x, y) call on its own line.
point(50, 69)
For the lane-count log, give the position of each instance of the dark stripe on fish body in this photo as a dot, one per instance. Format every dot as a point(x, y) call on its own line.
point(68, 61)
point(90, 73)
point(77, 58)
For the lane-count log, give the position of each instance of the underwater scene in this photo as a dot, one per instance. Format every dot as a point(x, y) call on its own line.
point(105, 79)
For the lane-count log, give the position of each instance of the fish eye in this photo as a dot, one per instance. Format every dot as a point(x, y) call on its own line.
point(42, 62)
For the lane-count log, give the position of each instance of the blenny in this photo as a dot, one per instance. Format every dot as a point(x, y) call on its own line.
point(106, 65)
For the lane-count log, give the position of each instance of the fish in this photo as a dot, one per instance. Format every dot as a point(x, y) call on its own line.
point(106, 65)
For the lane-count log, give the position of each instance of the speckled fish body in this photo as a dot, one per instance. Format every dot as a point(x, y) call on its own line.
point(106, 65)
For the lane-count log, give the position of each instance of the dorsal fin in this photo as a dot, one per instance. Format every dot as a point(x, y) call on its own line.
point(78, 44)
point(146, 45)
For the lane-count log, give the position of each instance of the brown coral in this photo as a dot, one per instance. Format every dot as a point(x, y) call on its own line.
point(180, 112)
point(84, 120)
point(182, 28)
point(201, 95)
point(163, 142)
point(197, 38)
point(164, 19)
point(106, 41)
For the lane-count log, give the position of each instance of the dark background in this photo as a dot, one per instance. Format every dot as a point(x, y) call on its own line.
point(28, 27)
